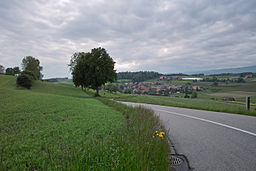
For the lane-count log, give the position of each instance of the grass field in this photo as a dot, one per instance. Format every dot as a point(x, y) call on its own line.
point(58, 127)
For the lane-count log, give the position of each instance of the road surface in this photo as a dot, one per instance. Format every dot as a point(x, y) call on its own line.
point(210, 140)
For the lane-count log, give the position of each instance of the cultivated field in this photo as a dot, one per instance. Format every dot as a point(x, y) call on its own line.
point(58, 127)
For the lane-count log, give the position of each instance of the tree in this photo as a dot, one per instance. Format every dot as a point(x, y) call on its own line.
point(12, 71)
point(74, 59)
point(186, 91)
point(194, 94)
point(240, 80)
point(215, 83)
point(93, 69)
point(9, 71)
point(111, 87)
point(1, 69)
point(32, 64)
point(30, 74)
point(16, 70)
point(128, 91)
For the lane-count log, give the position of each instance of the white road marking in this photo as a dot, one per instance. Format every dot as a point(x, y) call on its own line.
point(205, 120)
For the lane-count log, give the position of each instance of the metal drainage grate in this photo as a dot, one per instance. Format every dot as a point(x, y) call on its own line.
point(176, 161)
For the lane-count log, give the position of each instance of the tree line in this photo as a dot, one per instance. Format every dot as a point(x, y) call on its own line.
point(138, 76)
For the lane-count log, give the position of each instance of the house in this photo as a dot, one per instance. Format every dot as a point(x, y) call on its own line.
point(248, 76)
point(174, 87)
point(197, 88)
point(162, 77)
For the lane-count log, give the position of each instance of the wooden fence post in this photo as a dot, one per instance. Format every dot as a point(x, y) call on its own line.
point(247, 103)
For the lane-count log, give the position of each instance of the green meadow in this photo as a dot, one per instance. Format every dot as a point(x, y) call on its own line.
point(59, 127)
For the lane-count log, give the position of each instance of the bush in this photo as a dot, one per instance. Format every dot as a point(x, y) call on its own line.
point(24, 80)
point(194, 94)
point(30, 74)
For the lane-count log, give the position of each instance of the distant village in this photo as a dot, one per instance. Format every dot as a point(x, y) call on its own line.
point(159, 88)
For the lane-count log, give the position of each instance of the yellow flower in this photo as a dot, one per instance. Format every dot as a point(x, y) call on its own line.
point(153, 136)
point(162, 133)
point(161, 136)
point(156, 131)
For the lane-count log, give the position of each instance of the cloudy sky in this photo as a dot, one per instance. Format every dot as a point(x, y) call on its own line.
point(168, 36)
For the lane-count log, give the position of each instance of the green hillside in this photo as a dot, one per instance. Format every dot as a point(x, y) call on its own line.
point(58, 127)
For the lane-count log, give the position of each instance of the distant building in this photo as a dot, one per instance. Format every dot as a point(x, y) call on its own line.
point(248, 76)
point(162, 77)
point(192, 79)
point(197, 88)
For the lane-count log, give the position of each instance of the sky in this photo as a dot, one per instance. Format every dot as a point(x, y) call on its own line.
point(167, 36)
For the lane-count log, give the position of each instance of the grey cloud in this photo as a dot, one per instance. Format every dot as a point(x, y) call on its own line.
point(165, 36)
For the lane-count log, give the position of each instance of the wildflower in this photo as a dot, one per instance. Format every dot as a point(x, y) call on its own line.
point(161, 136)
point(156, 131)
point(153, 136)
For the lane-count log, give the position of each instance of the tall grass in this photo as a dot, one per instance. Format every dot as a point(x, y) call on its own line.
point(149, 151)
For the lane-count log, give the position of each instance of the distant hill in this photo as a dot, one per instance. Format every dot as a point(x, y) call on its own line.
point(228, 70)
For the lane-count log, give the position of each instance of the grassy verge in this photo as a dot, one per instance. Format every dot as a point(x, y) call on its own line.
point(58, 127)
point(143, 136)
point(202, 104)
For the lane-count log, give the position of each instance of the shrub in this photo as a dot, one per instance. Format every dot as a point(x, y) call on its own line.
point(30, 74)
point(24, 80)
point(194, 94)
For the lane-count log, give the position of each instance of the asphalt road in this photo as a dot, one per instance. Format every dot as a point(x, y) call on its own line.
point(210, 140)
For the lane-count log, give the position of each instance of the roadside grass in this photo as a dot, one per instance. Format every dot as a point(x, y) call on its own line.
point(58, 127)
point(152, 152)
point(202, 104)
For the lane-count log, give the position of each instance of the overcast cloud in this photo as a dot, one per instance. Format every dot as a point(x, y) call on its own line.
point(168, 36)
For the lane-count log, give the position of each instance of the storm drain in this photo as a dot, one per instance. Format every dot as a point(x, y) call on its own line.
point(175, 161)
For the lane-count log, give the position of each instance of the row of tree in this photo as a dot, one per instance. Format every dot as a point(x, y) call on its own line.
point(138, 76)
point(10, 71)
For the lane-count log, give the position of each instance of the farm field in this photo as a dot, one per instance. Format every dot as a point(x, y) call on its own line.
point(58, 127)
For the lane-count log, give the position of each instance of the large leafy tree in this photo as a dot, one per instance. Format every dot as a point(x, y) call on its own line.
point(32, 64)
point(92, 69)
